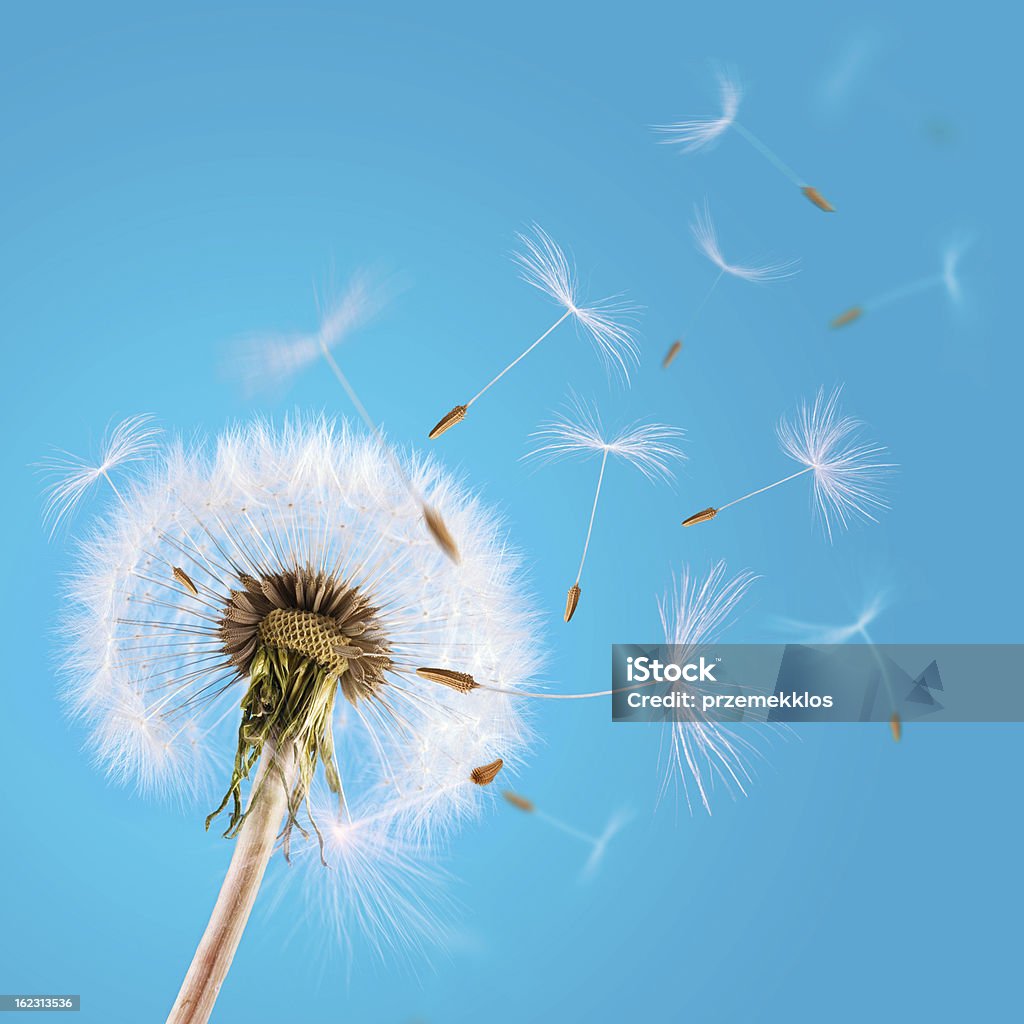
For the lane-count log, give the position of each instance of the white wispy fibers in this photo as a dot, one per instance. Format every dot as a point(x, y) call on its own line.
point(849, 476)
point(265, 601)
point(652, 448)
point(703, 754)
point(946, 278)
point(701, 132)
point(72, 476)
point(609, 324)
point(706, 237)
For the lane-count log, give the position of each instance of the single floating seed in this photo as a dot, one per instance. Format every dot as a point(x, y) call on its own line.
point(701, 517)
point(818, 199)
point(674, 350)
point(461, 681)
point(572, 599)
point(853, 313)
point(518, 801)
point(896, 725)
point(486, 773)
point(446, 422)
point(185, 580)
point(439, 531)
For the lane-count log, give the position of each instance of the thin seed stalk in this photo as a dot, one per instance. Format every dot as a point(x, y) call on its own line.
point(268, 807)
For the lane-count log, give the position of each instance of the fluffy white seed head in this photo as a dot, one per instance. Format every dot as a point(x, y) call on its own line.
point(651, 448)
point(610, 324)
point(701, 132)
point(706, 237)
point(72, 476)
point(704, 755)
point(143, 650)
point(849, 474)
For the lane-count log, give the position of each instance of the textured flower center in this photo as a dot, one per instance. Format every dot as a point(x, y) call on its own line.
point(317, 637)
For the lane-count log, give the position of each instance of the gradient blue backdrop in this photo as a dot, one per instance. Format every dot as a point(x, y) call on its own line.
point(176, 178)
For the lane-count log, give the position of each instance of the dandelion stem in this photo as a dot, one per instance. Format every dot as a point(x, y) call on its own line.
point(523, 355)
point(703, 303)
point(761, 490)
point(905, 291)
point(567, 829)
point(768, 154)
point(253, 847)
point(593, 512)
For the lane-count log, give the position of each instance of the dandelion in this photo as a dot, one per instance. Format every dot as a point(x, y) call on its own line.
point(131, 441)
point(608, 323)
point(598, 844)
point(706, 238)
point(290, 659)
point(702, 132)
point(674, 349)
point(848, 476)
point(649, 447)
point(947, 278)
point(273, 360)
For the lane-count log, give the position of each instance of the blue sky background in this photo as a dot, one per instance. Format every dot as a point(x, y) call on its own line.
point(173, 179)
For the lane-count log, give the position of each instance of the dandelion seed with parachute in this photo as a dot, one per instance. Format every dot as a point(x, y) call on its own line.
point(607, 323)
point(131, 441)
point(272, 361)
point(947, 278)
point(257, 609)
point(652, 448)
point(706, 238)
point(849, 475)
point(701, 132)
point(598, 844)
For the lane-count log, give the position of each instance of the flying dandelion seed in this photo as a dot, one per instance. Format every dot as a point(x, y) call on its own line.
point(274, 360)
point(706, 238)
point(608, 323)
point(314, 595)
point(649, 447)
point(947, 278)
point(131, 441)
point(848, 476)
point(702, 132)
point(598, 844)
point(674, 349)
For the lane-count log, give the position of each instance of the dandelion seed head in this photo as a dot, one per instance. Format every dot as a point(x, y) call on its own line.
point(706, 237)
point(72, 476)
point(703, 754)
point(849, 474)
point(652, 448)
point(610, 323)
point(304, 548)
point(703, 132)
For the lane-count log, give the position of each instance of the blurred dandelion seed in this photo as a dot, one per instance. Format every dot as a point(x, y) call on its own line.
point(674, 349)
point(702, 132)
point(848, 476)
point(649, 447)
point(132, 440)
point(608, 323)
point(896, 726)
point(313, 598)
point(706, 238)
point(598, 844)
point(947, 278)
point(273, 360)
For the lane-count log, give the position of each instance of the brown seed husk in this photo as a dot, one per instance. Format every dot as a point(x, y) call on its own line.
point(572, 599)
point(853, 313)
point(439, 531)
point(701, 517)
point(518, 801)
point(448, 420)
point(896, 725)
point(818, 199)
point(185, 580)
point(486, 773)
point(674, 350)
point(461, 681)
